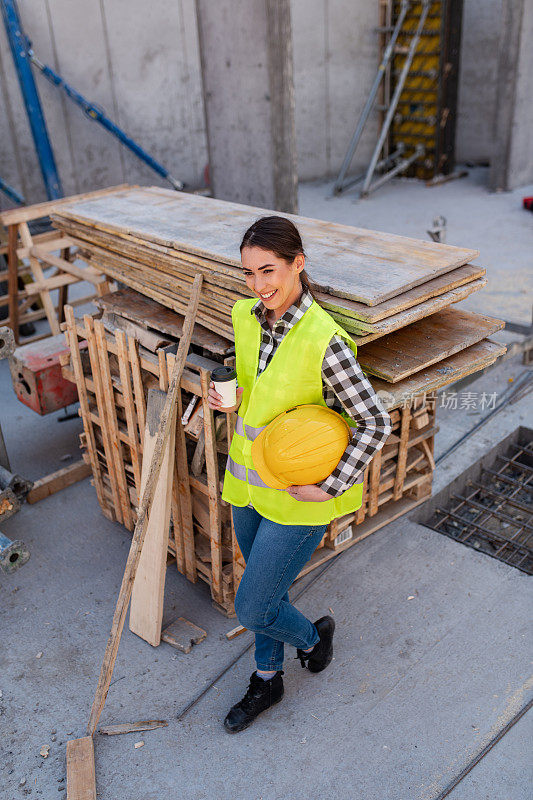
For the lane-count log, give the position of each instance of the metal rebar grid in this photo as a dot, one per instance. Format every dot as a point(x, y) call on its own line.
point(494, 514)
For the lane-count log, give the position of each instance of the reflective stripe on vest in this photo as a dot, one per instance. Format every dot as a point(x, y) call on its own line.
point(247, 430)
point(239, 471)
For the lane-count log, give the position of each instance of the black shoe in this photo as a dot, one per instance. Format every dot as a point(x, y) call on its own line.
point(259, 696)
point(322, 653)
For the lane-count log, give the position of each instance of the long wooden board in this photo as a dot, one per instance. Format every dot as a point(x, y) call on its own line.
point(418, 346)
point(146, 610)
point(81, 779)
point(418, 294)
point(410, 315)
point(359, 264)
point(143, 310)
point(474, 358)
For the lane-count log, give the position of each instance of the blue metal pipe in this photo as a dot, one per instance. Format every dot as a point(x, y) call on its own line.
point(95, 113)
point(11, 193)
point(19, 49)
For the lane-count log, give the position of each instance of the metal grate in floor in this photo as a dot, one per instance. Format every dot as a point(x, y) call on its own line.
point(494, 512)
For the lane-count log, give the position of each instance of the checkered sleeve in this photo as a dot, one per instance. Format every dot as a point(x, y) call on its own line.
point(346, 383)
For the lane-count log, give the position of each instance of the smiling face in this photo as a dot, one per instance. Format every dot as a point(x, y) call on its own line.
point(272, 279)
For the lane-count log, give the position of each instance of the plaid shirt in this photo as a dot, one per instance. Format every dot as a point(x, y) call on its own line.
point(344, 387)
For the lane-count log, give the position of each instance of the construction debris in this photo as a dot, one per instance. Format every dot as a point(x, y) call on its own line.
point(133, 727)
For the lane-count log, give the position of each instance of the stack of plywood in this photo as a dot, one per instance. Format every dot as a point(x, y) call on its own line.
point(391, 293)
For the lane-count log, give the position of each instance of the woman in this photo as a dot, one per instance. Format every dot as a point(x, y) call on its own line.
point(289, 352)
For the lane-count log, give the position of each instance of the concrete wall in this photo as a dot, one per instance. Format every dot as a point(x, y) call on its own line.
point(477, 80)
point(520, 169)
point(139, 61)
point(247, 68)
point(335, 62)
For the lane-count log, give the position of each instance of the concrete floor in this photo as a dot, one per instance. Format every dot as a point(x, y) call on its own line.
point(417, 688)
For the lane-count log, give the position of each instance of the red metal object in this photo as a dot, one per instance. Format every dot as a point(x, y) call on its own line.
point(37, 378)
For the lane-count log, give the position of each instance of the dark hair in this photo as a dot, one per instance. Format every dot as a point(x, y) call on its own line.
point(280, 236)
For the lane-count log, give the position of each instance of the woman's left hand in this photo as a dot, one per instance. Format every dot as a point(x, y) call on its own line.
point(310, 493)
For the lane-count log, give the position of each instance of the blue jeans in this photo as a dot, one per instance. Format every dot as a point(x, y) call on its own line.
point(274, 556)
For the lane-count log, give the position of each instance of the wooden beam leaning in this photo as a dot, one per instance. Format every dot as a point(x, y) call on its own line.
point(146, 611)
point(163, 431)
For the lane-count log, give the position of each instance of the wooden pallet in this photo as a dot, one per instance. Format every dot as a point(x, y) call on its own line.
point(113, 381)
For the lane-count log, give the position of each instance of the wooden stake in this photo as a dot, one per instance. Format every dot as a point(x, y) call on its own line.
point(165, 425)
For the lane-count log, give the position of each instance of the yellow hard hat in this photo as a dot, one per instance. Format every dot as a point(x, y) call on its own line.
point(301, 446)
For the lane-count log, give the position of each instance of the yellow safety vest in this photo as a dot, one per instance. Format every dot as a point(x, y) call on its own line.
point(292, 378)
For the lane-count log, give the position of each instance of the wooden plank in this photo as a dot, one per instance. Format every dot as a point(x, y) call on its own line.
point(133, 727)
point(211, 463)
point(49, 284)
point(102, 406)
point(138, 390)
point(81, 778)
point(143, 310)
point(402, 453)
point(58, 480)
point(419, 294)
point(72, 340)
point(361, 511)
point(473, 359)
point(373, 483)
point(82, 274)
point(62, 297)
point(363, 265)
point(410, 315)
point(129, 406)
point(53, 241)
point(186, 525)
point(426, 342)
point(15, 215)
point(112, 423)
point(146, 611)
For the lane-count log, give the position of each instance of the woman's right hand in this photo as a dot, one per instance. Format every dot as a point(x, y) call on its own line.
point(214, 400)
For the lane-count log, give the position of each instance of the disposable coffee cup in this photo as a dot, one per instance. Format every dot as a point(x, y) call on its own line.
point(225, 380)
